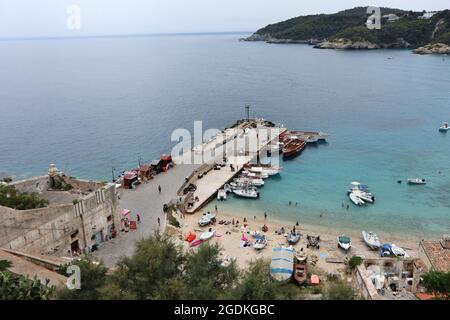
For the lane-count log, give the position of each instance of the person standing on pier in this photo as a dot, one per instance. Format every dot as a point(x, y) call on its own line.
point(159, 188)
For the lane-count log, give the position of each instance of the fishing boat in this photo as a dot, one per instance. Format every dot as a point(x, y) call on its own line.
point(300, 274)
point(206, 219)
point(207, 235)
point(301, 256)
point(344, 242)
point(293, 237)
point(221, 195)
point(282, 264)
point(416, 181)
point(371, 240)
point(260, 243)
point(293, 148)
point(246, 193)
point(355, 199)
point(444, 127)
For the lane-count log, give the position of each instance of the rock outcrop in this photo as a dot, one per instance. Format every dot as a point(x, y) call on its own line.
point(433, 48)
point(347, 44)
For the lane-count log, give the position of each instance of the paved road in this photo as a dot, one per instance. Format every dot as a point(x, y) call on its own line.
point(148, 202)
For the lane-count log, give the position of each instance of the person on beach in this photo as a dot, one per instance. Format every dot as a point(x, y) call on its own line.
point(265, 215)
point(245, 220)
point(232, 222)
point(254, 217)
point(215, 207)
point(297, 224)
point(159, 188)
point(138, 218)
point(159, 222)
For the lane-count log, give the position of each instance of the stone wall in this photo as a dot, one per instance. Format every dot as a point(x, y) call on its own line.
point(51, 230)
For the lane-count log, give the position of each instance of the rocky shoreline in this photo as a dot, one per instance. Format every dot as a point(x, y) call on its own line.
point(346, 44)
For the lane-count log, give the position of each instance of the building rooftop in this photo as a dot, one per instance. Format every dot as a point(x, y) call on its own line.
point(438, 253)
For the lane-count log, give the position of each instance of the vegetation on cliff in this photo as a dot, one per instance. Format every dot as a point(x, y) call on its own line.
point(12, 198)
point(407, 31)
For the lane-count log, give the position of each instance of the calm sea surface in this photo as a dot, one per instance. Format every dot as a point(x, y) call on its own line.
point(91, 104)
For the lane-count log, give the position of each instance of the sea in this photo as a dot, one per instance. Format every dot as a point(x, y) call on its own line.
point(97, 106)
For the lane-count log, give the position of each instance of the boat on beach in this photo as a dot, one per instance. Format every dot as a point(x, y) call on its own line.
point(416, 181)
point(397, 251)
point(206, 219)
point(300, 274)
point(207, 235)
point(371, 240)
point(293, 237)
point(282, 264)
point(344, 242)
point(260, 243)
point(301, 256)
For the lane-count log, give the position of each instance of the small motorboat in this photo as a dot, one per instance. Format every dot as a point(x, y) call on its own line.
point(444, 127)
point(397, 251)
point(300, 274)
point(246, 193)
point(269, 171)
point(221, 195)
point(301, 256)
point(364, 196)
point(356, 200)
point(207, 235)
point(371, 240)
point(416, 181)
point(312, 139)
point(206, 219)
point(293, 237)
point(312, 241)
point(344, 242)
point(260, 243)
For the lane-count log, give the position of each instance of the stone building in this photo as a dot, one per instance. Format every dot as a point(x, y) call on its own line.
point(79, 217)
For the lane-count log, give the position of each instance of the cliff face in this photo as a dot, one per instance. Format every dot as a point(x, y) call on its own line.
point(347, 30)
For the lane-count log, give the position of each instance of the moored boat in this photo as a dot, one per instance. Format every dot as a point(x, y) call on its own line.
point(221, 195)
point(371, 240)
point(293, 148)
point(416, 181)
point(246, 193)
point(444, 127)
point(355, 199)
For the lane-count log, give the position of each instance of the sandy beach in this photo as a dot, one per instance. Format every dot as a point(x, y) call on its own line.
point(229, 238)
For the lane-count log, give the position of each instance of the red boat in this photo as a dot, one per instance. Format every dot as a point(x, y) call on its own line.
point(293, 148)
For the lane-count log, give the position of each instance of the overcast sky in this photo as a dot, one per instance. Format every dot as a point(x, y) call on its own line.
point(44, 18)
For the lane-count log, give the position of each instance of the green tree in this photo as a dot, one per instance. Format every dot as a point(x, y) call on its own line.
point(354, 262)
point(93, 278)
point(256, 283)
point(438, 283)
point(12, 198)
point(339, 290)
point(154, 271)
point(206, 278)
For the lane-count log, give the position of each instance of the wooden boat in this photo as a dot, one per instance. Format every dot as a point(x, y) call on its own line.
point(300, 274)
point(293, 148)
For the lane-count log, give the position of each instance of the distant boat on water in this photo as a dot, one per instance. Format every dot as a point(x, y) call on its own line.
point(444, 127)
point(416, 181)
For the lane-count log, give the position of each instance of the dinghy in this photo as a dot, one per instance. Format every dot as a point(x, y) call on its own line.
point(397, 251)
point(221, 195)
point(371, 240)
point(206, 219)
point(293, 237)
point(355, 199)
point(207, 235)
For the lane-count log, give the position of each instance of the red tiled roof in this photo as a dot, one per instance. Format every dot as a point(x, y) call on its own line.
point(437, 254)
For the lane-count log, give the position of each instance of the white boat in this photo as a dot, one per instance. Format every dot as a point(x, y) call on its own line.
point(246, 193)
point(364, 196)
point(355, 199)
point(444, 127)
point(371, 240)
point(282, 264)
point(207, 235)
point(293, 237)
point(312, 139)
point(301, 256)
point(397, 251)
point(221, 195)
point(270, 171)
point(262, 175)
point(344, 242)
point(416, 181)
point(206, 219)
point(227, 188)
point(260, 243)
point(250, 181)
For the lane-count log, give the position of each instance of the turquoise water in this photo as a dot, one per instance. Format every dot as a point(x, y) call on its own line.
point(92, 104)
